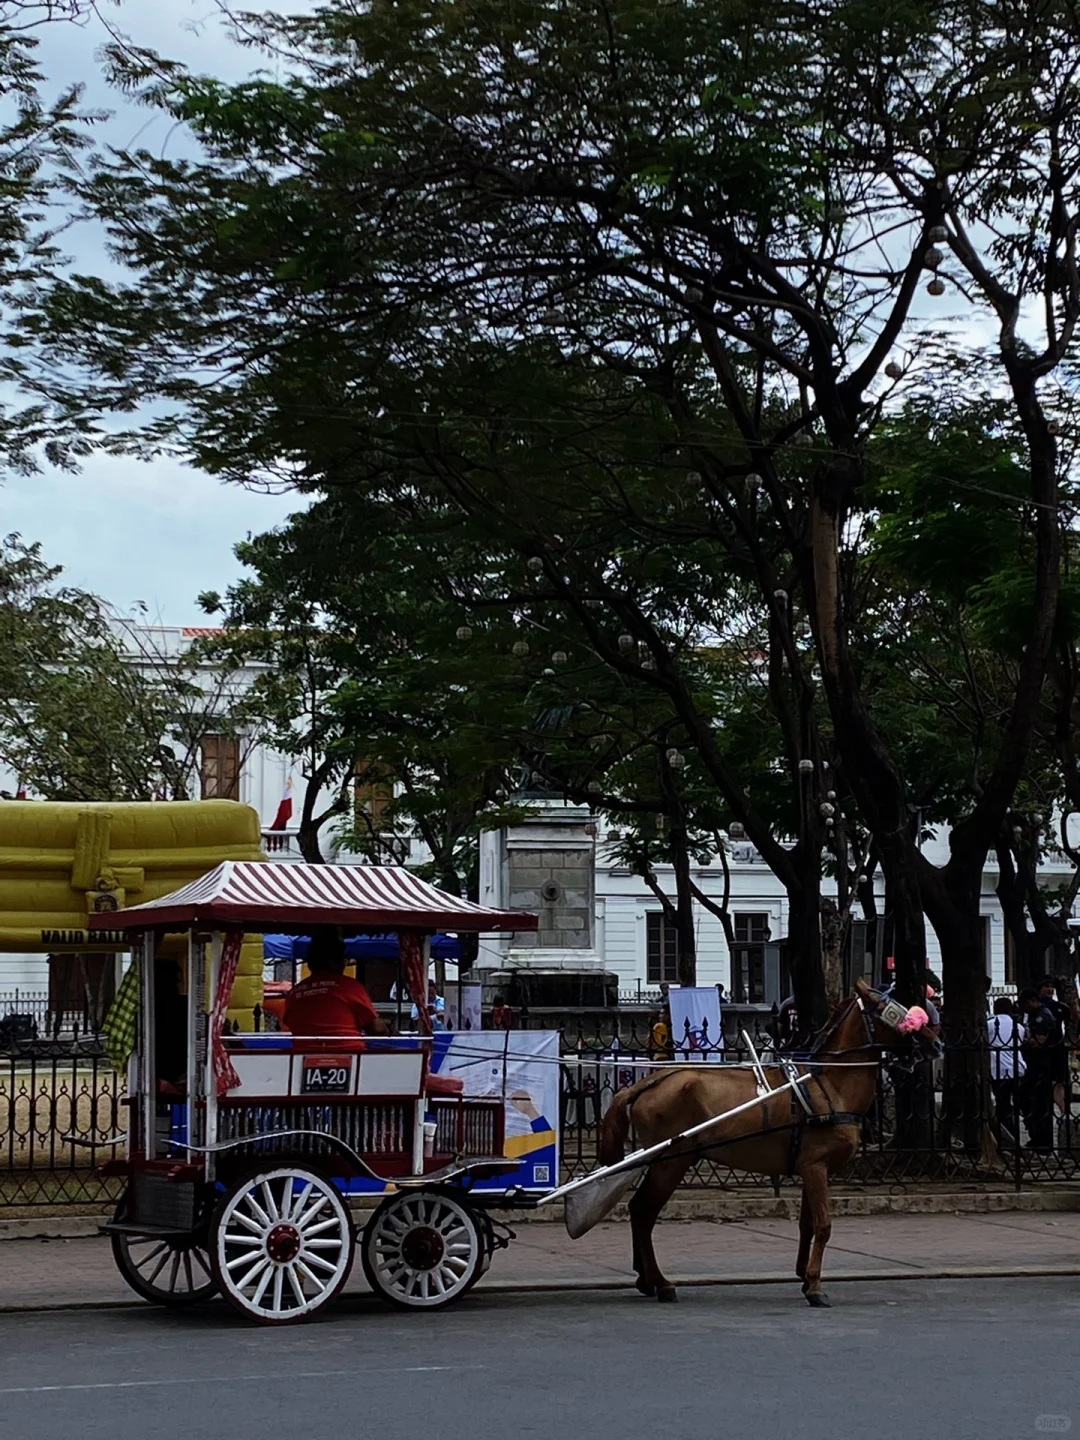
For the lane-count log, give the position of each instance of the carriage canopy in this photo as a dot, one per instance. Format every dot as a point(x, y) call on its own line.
point(273, 897)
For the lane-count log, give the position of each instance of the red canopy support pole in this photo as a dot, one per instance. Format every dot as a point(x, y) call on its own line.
point(415, 950)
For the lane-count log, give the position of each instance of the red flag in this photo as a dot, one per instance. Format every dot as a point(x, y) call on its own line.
point(20, 793)
point(284, 810)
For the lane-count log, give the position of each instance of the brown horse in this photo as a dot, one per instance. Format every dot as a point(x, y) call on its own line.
point(777, 1137)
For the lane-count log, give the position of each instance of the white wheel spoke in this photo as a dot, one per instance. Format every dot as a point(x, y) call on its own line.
point(252, 1241)
point(257, 1210)
point(329, 1242)
point(304, 1221)
point(299, 1201)
point(309, 1230)
point(320, 1263)
point(279, 1285)
point(247, 1259)
point(256, 1227)
point(248, 1278)
point(268, 1275)
point(275, 1209)
point(316, 1280)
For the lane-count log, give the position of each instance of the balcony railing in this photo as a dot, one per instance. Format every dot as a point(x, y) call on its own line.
point(281, 844)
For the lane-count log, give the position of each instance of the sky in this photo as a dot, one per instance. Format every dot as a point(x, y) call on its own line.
point(136, 533)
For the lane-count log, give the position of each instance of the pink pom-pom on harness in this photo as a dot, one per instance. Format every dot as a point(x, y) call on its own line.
point(915, 1019)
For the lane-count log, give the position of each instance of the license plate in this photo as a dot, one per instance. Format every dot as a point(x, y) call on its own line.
point(326, 1075)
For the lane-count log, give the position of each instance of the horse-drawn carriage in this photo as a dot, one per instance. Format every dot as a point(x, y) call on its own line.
point(238, 1177)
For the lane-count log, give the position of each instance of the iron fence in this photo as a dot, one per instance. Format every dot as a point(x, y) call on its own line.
point(28, 1015)
point(978, 1116)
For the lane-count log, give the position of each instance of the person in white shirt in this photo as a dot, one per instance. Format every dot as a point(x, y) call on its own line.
point(1006, 1035)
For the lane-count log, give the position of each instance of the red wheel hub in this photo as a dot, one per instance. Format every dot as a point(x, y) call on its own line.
point(423, 1248)
point(283, 1243)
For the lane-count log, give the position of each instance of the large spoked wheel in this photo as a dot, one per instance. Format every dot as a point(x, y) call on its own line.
point(165, 1271)
point(422, 1249)
point(282, 1245)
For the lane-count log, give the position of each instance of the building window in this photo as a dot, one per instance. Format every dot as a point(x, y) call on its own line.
point(372, 796)
point(748, 961)
point(662, 949)
point(1010, 958)
point(220, 767)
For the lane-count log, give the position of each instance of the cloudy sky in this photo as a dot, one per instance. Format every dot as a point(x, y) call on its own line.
point(136, 533)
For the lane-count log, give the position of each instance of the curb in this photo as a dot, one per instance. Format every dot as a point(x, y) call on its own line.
point(549, 1287)
point(708, 1205)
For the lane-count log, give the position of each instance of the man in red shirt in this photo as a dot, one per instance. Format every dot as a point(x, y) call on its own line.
point(330, 1002)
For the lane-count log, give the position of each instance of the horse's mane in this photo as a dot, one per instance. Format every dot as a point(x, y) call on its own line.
point(838, 1012)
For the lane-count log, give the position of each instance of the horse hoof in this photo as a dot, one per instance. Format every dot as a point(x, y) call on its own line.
point(667, 1294)
point(819, 1300)
point(644, 1288)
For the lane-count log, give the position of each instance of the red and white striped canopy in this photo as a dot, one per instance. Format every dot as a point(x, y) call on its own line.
point(264, 896)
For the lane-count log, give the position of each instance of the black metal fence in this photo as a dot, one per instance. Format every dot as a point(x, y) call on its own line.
point(984, 1115)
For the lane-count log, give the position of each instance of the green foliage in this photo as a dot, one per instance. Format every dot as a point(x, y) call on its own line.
point(88, 711)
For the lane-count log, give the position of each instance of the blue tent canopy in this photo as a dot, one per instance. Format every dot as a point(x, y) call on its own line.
point(359, 947)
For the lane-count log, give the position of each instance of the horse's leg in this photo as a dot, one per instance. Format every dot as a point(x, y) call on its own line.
point(815, 1178)
point(648, 1200)
point(806, 1234)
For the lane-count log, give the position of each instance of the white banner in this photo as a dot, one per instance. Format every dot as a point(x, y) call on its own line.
point(696, 1029)
point(523, 1067)
point(464, 1006)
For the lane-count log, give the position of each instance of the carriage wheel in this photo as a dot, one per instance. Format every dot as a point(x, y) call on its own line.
point(422, 1249)
point(165, 1271)
point(282, 1245)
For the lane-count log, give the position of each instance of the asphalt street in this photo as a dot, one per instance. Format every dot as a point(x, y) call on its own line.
point(971, 1360)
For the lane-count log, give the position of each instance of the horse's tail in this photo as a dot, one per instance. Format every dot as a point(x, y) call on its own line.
point(614, 1128)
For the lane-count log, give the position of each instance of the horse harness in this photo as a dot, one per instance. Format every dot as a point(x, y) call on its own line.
point(803, 1116)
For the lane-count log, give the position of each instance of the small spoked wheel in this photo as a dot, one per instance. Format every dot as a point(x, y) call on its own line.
point(169, 1270)
point(422, 1249)
point(282, 1245)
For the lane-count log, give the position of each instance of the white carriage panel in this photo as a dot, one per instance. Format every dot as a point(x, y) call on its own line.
point(391, 1074)
point(261, 1073)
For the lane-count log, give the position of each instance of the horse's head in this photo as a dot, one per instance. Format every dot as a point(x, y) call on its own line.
point(906, 1032)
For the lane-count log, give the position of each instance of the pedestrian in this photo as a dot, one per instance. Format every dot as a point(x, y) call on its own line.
point(436, 1008)
point(1007, 1064)
point(1060, 1051)
point(502, 1017)
point(1037, 1092)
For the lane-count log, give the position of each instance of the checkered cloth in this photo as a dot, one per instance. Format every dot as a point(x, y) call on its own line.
point(122, 1021)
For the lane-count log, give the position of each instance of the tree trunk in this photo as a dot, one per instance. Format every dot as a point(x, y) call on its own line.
point(903, 903)
point(804, 951)
point(952, 904)
point(832, 949)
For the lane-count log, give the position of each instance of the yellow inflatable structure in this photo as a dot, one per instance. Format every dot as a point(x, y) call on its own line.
point(60, 861)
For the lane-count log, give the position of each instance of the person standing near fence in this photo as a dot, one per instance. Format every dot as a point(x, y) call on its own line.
point(1007, 1066)
point(1041, 1044)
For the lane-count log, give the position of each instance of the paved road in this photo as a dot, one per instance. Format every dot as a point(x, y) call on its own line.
point(971, 1360)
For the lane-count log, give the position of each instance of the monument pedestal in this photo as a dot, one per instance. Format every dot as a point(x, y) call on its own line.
point(544, 865)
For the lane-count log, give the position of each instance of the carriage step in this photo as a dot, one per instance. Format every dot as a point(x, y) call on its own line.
point(164, 1232)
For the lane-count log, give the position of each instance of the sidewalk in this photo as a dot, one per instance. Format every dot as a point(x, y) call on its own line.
point(44, 1274)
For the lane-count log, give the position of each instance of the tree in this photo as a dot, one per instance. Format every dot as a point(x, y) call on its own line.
point(370, 672)
point(89, 708)
point(41, 142)
point(728, 213)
